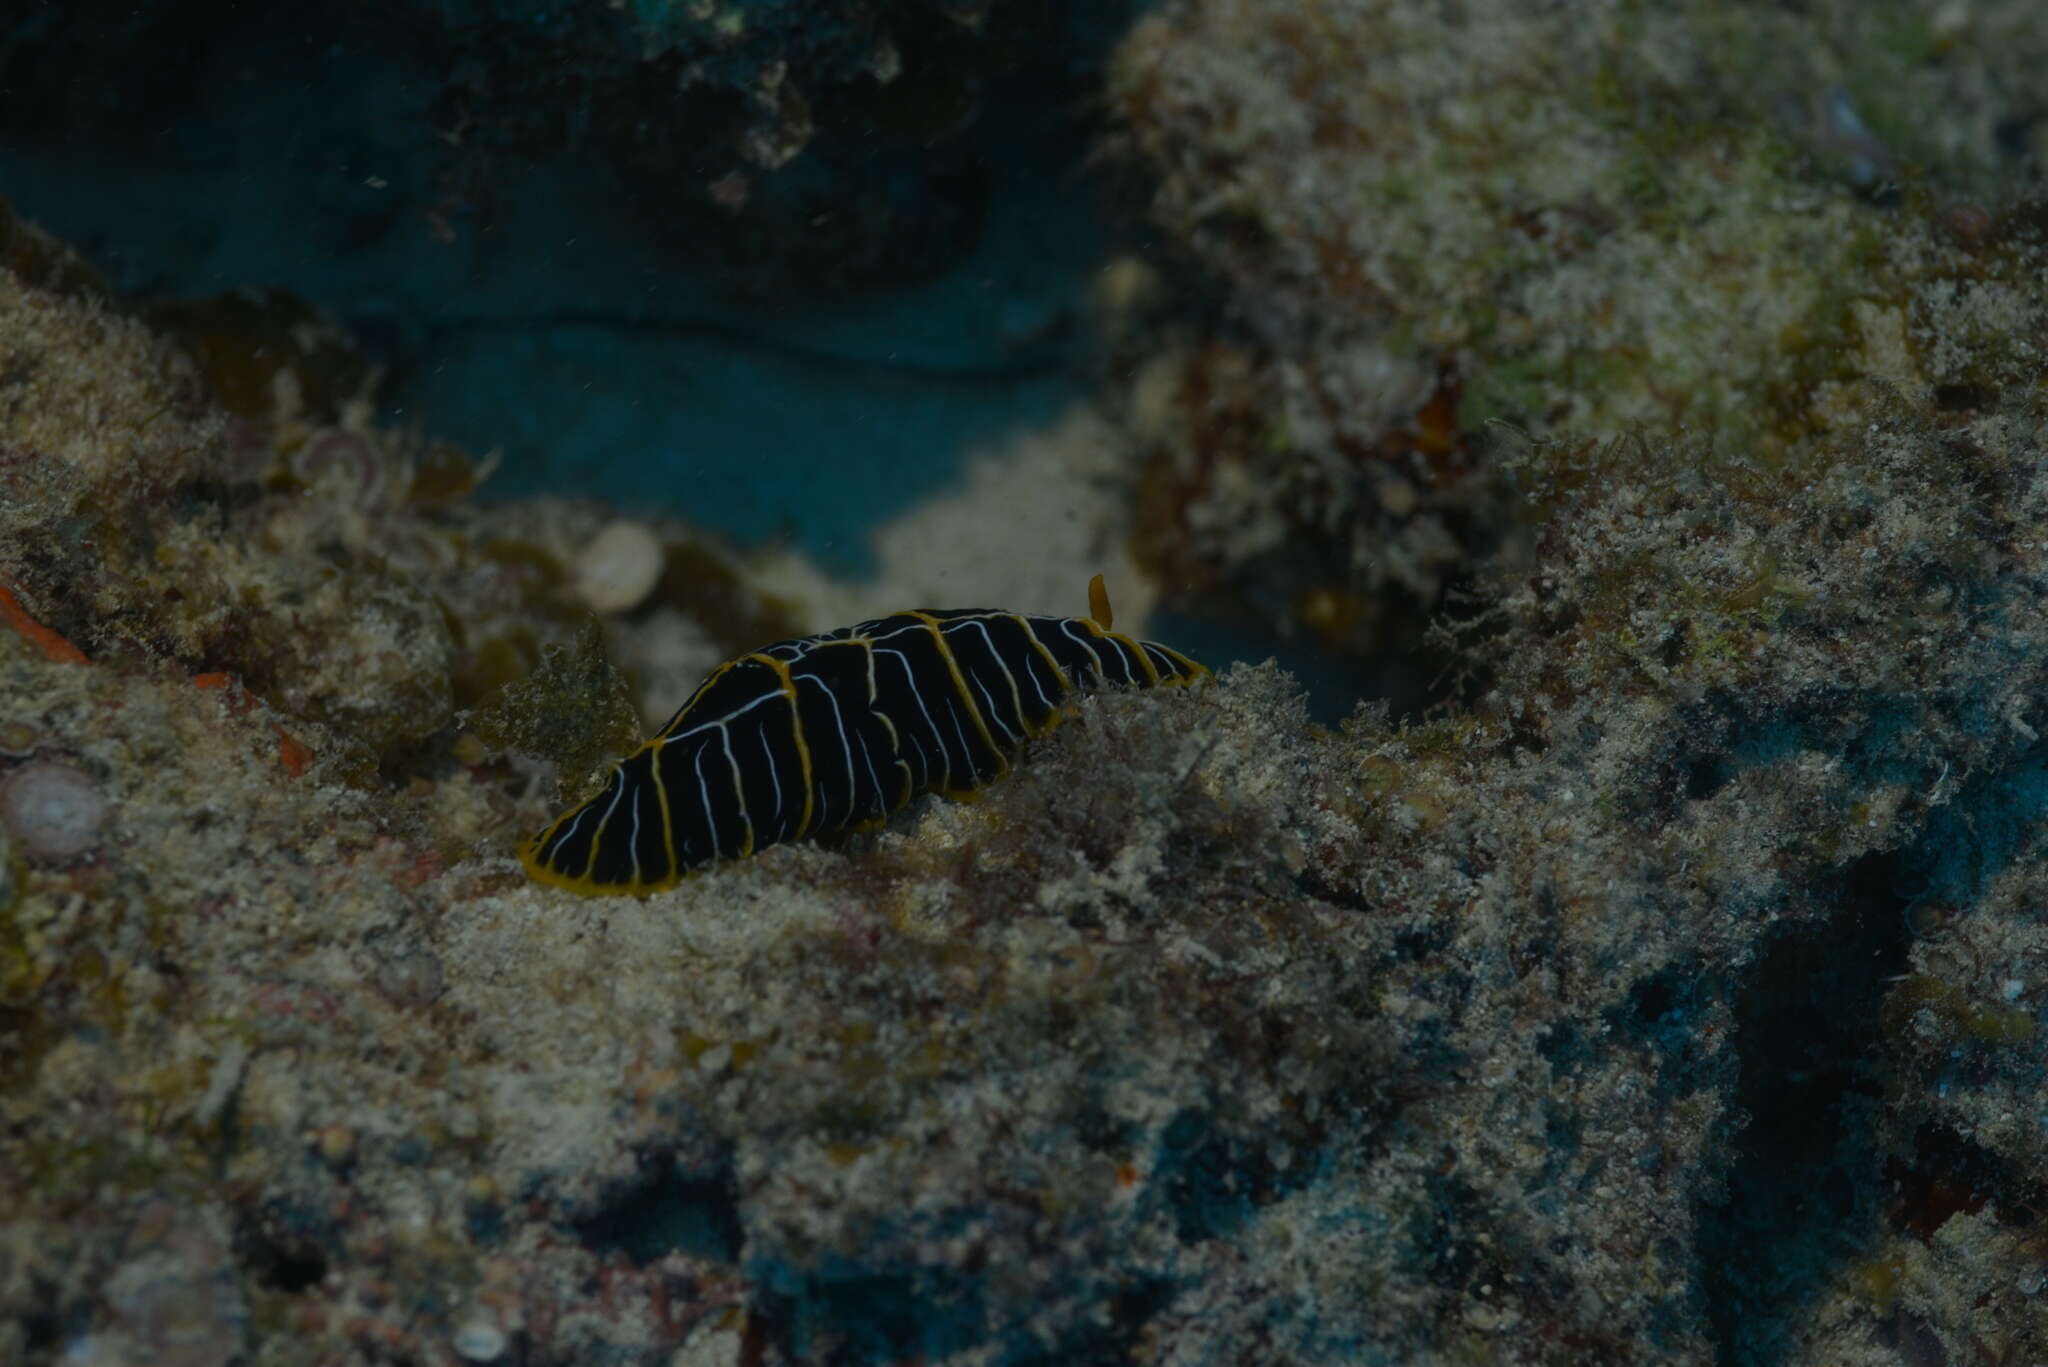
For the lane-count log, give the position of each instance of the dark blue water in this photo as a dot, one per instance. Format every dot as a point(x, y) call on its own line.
point(543, 271)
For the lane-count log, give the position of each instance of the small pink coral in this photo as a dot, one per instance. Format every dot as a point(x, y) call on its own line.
point(53, 811)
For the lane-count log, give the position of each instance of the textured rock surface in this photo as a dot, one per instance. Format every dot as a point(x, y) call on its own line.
point(1430, 218)
point(1676, 996)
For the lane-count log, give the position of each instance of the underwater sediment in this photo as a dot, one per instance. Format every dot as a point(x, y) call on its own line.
point(1673, 991)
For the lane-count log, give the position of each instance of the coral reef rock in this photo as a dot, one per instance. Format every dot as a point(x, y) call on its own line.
point(1672, 994)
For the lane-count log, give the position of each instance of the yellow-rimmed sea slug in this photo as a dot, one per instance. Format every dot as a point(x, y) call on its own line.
point(834, 732)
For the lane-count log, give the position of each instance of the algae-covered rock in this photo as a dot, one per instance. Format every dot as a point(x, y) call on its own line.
point(1429, 220)
point(1673, 995)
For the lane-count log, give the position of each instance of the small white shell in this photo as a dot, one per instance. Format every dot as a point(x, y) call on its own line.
point(53, 811)
point(480, 1341)
point(619, 567)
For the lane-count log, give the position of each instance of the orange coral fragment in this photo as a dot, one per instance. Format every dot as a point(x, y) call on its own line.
point(292, 753)
point(51, 644)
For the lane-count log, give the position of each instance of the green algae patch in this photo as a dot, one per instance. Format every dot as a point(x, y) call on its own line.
point(443, 475)
point(701, 583)
point(574, 709)
point(1951, 1008)
point(248, 343)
